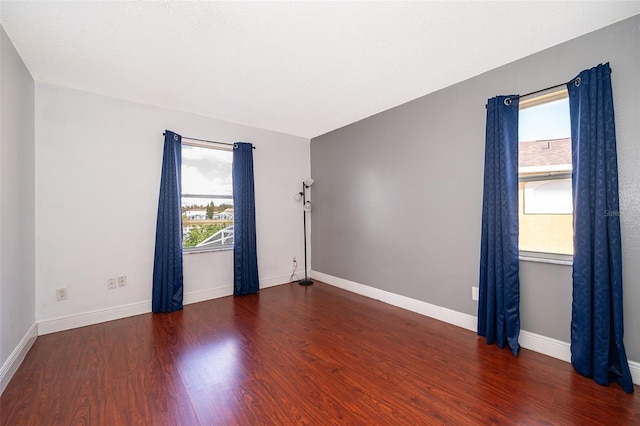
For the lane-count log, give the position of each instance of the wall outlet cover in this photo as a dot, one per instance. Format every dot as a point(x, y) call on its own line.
point(61, 294)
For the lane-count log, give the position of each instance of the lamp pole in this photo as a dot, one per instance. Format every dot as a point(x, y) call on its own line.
point(306, 280)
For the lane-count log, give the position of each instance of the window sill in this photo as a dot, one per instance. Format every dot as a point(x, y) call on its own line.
point(555, 259)
point(206, 250)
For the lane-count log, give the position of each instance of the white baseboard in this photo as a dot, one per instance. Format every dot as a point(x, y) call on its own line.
point(532, 341)
point(208, 294)
point(215, 293)
point(545, 345)
point(12, 363)
point(562, 350)
point(635, 371)
point(273, 281)
point(92, 317)
point(118, 312)
point(449, 316)
point(109, 314)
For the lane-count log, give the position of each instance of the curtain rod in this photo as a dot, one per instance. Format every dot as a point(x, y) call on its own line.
point(204, 140)
point(576, 80)
point(548, 88)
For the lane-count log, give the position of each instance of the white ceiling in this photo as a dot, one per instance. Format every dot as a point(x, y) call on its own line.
point(303, 68)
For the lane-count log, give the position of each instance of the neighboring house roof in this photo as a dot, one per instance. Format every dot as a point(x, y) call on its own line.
point(544, 153)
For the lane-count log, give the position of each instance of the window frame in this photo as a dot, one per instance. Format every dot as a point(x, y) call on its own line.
point(537, 256)
point(196, 250)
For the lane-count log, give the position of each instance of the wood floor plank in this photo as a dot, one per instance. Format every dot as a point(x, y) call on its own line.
point(297, 355)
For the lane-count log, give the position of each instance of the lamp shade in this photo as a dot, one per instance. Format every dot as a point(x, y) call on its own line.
point(307, 206)
point(309, 181)
point(297, 196)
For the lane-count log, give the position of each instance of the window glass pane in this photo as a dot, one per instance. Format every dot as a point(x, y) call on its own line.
point(207, 222)
point(545, 233)
point(206, 171)
point(207, 210)
point(544, 192)
point(544, 122)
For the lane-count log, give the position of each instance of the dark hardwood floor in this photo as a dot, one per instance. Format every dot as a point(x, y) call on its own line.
point(313, 355)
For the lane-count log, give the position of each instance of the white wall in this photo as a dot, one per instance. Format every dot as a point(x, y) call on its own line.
point(17, 247)
point(97, 180)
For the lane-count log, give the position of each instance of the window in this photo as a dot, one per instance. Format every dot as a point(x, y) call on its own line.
point(207, 198)
point(544, 171)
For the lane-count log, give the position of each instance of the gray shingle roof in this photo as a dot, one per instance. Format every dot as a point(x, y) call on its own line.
point(544, 153)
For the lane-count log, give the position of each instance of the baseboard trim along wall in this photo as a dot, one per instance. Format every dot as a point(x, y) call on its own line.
point(532, 341)
point(437, 312)
point(12, 363)
point(535, 342)
point(92, 317)
point(109, 314)
point(273, 281)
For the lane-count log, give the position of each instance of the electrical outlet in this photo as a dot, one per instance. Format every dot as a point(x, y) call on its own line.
point(61, 294)
point(122, 281)
point(474, 293)
point(112, 284)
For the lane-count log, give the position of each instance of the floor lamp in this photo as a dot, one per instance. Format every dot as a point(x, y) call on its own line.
point(306, 207)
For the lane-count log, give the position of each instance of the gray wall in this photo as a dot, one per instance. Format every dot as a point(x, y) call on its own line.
point(398, 196)
point(17, 199)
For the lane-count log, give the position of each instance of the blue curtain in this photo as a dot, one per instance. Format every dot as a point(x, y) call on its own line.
point(499, 298)
point(597, 349)
point(245, 257)
point(167, 261)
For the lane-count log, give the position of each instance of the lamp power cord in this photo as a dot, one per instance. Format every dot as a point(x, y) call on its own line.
point(293, 272)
